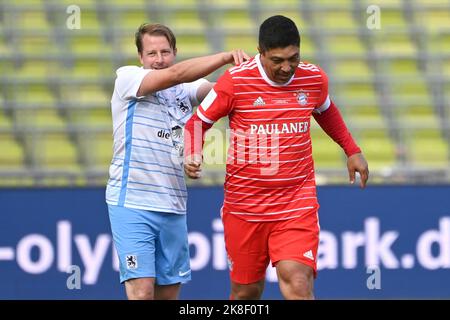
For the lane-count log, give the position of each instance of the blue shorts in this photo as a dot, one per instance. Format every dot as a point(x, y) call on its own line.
point(151, 244)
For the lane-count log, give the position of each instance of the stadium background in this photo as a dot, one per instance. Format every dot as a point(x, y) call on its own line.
point(391, 81)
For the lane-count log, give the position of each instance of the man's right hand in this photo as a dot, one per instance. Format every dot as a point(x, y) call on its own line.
point(192, 167)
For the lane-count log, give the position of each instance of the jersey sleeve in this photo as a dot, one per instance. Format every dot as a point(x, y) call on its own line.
point(219, 101)
point(191, 89)
point(128, 81)
point(324, 98)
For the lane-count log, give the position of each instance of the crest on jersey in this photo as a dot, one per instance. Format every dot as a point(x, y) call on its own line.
point(132, 262)
point(182, 106)
point(302, 98)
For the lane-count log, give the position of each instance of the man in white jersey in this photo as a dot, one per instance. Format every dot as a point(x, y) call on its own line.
point(146, 192)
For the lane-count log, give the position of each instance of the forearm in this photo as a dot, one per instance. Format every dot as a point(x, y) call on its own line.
point(333, 124)
point(185, 71)
point(195, 68)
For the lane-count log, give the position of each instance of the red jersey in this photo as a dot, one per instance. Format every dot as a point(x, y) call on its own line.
point(270, 170)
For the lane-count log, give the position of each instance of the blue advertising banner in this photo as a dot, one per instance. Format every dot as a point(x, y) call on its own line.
point(379, 243)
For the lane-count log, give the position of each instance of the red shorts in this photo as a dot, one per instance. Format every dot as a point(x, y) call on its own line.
point(251, 245)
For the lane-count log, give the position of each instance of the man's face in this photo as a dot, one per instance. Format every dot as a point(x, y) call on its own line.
point(280, 63)
point(156, 52)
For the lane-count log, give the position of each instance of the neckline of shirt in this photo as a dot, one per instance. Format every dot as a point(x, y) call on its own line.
point(265, 77)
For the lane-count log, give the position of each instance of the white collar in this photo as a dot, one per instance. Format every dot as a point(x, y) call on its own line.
point(264, 75)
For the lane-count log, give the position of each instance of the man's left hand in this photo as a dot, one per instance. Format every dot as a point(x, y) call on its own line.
point(357, 163)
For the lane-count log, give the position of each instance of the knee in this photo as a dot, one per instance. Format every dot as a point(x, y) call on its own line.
point(247, 292)
point(299, 287)
point(139, 289)
point(167, 292)
point(141, 295)
point(301, 291)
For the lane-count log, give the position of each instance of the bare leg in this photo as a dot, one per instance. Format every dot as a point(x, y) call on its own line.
point(296, 280)
point(251, 291)
point(140, 288)
point(167, 292)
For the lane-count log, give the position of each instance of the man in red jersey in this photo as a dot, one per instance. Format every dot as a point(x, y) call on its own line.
point(270, 205)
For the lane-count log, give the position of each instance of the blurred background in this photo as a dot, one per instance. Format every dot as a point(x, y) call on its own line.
point(390, 77)
point(388, 63)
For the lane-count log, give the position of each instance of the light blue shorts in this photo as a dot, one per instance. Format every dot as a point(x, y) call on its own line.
point(151, 244)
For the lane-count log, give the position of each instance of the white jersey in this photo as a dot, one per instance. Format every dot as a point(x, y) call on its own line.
point(146, 170)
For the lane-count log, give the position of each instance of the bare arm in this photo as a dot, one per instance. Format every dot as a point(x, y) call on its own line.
point(188, 71)
point(203, 90)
